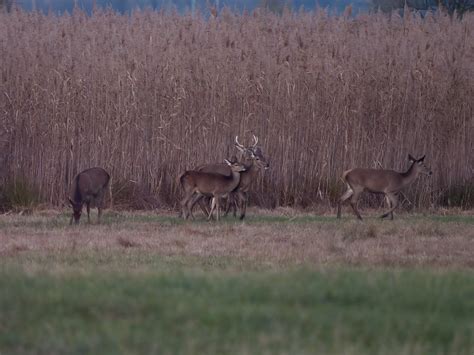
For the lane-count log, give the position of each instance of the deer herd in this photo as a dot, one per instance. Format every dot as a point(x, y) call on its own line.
point(229, 182)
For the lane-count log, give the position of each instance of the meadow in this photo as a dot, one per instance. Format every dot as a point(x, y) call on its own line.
point(281, 282)
point(149, 95)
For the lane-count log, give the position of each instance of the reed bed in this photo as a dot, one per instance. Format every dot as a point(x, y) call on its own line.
point(149, 95)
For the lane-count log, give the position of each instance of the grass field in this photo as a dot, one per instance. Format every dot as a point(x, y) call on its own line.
point(281, 282)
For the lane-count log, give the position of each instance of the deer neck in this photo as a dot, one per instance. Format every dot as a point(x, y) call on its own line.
point(77, 196)
point(410, 175)
point(235, 180)
point(248, 175)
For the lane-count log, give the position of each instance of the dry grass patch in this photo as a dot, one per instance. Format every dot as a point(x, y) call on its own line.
point(276, 240)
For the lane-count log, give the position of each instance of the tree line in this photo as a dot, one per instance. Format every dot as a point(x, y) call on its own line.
point(278, 6)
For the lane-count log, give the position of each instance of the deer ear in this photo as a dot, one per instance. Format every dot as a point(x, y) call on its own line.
point(227, 162)
point(410, 158)
point(422, 158)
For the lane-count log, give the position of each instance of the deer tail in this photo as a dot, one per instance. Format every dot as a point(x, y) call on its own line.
point(344, 175)
point(180, 179)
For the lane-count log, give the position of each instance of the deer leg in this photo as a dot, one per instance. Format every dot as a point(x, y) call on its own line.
point(209, 203)
point(203, 203)
point(349, 192)
point(224, 202)
point(235, 206)
point(393, 203)
point(192, 201)
point(235, 203)
point(184, 205)
point(243, 206)
point(389, 204)
point(218, 203)
point(182, 212)
point(231, 203)
point(228, 202)
point(189, 205)
point(99, 208)
point(100, 203)
point(353, 203)
point(213, 206)
point(88, 206)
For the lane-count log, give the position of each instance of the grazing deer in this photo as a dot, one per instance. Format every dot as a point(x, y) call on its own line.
point(88, 186)
point(197, 184)
point(388, 182)
point(253, 159)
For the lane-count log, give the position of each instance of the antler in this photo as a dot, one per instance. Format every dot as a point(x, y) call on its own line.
point(237, 142)
point(256, 140)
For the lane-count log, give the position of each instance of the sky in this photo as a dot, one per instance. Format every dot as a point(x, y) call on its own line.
point(59, 6)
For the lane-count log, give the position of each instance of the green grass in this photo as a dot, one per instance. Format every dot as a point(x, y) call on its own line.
point(124, 219)
point(127, 303)
point(297, 219)
point(274, 284)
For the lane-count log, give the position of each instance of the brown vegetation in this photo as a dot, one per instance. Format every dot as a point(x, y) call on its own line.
point(407, 241)
point(150, 95)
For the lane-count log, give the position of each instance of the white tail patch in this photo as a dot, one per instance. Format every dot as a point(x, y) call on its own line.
point(344, 174)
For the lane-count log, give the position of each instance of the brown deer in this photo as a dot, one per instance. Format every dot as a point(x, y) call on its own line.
point(88, 187)
point(216, 168)
point(388, 182)
point(253, 159)
point(253, 156)
point(197, 184)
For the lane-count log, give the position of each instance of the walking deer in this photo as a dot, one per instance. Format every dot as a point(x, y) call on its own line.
point(388, 182)
point(197, 184)
point(253, 159)
point(88, 187)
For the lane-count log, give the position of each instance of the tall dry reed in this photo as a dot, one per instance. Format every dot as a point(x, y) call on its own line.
point(149, 95)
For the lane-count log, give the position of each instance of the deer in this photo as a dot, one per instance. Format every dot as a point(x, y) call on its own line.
point(88, 187)
point(253, 159)
point(217, 168)
point(253, 156)
point(388, 182)
point(197, 184)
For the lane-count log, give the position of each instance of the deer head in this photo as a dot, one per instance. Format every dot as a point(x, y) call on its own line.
point(419, 165)
point(252, 153)
point(76, 211)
